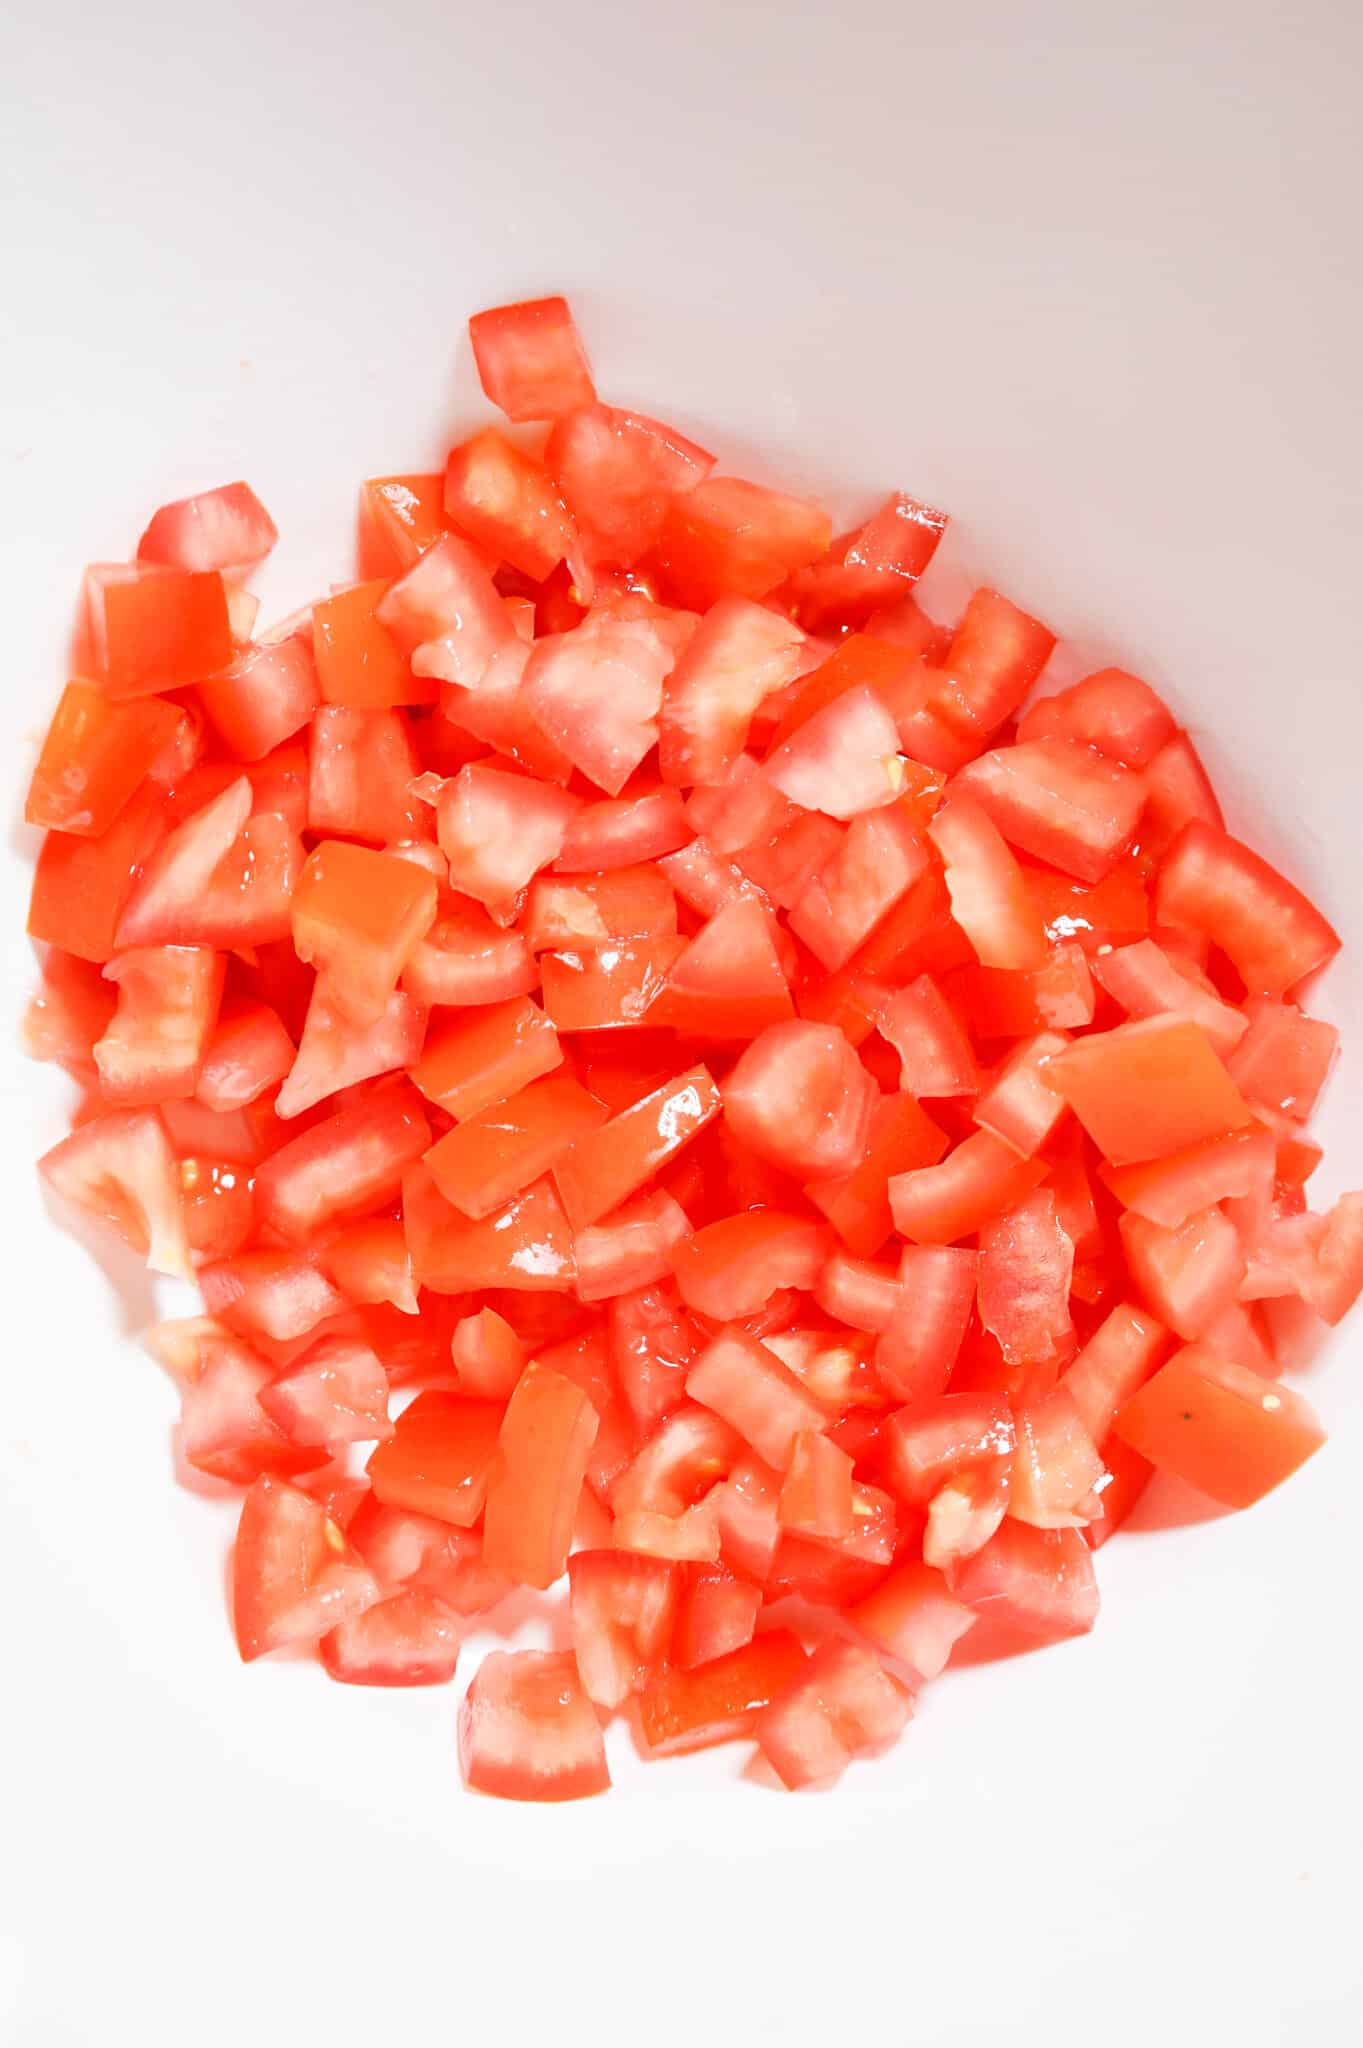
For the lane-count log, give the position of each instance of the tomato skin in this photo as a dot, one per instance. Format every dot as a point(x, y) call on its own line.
point(1220, 1426)
point(715, 1702)
point(1212, 884)
point(800, 1098)
point(842, 1706)
point(487, 1055)
point(437, 1458)
point(227, 529)
point(530, 359)
point(528, 1731)
point(730, 537)
point(603, 1168)
point(153, 628)
point(536, 1477)
point(94, 755)
point(1144, 1090)
point(977, 1181)
point(731, 1269)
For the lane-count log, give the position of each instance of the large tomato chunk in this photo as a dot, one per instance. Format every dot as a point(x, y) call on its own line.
point(80, 885)
point(335, 1052)
point(1060, 802)
point(1220, 1426)
point(94, 756)
point(227, 529)
point(1239, 1167)
point(800, 1097)
point(537, 1475)
point(497, 830)
point(1148, 1089)
point(294, 1576)
point(874, 866)
point(527, 1730)
point(1213, 884)
point(728, 537)
point(530, 359)
point(603, 1168)
point(843, 760)
point(617, 472)
point(153, 628)
point(843, 1705)
point(437, 1458)
point(486, 1055)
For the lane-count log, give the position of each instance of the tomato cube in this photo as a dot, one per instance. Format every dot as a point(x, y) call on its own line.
point(537, 1475)
point(1220, 1426)
point(527, 1730)
point(487, 1055)
point(1148, 1089)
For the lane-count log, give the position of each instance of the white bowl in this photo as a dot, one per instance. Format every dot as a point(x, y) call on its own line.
point(1088, 280)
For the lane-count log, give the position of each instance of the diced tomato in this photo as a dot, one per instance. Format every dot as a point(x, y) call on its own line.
point(487, 1055)
point(356, 917)
point(226, 1431)
point(617, 472)
point(360, 765)
point(346, 1165)
point(81, 885)
point(732, 1268)
point(437, 1459)
point(843, 760)
point(487, 1355)
point(1188, 1276)
point(526, 1246)
point(411, 1638)
point(167, 1006)
point(585, 912)
point(597, 692)
point(750, 1388)
point(612, 988)
point(336, 1394)
point(280, 1295)
point(248, 1052)
point(935, 1055)
point(537, 1476)
point(1284, 1058)
point(1148, 983)
point(1239, 1166)
point(869, 567)
point(503, 499)
point(497, 830)
point(527, 1730)
point(120, 1168)
point(1177, 791)
point(227, 529)
point(800, 1097)
point(623, 830)
point(1001, 1003)
point(739, 657)
point(94, 756)
point(1148, 1089)
point(153, 628)
point(844, 1705)
point(223, 877)
point(990, 899)
point(1020, 1105)
point(70, 1011)
point(1220, 1427)
point(1026, 1262)
point(947, 1437)
point(905, 624)
point(1115, 712)
point(996, 654)
point(1057, 1473)
point(979, 1180)
point(446, 616)
point(494, 1154)
point(530, 359)
point(1113, 912)
point(466, 960)
point(901, 1137)
point(914, 1617)
point(400, 517)
point(622, 1613)
point(294, 1576)
point(369, 1261)
point(1060, 802)
point(407, 1550)
point(727, 537)
point(853, 1291)
point(359, 663)
point(603, 1168)
point(335, 1052)
point(816, 1493)
point(1119, 1357)
point(718, 1701)
point(1038, 1581)
point(729, 981)
point(632, 1247)
point(1212, 884)
point(716, 1614)
point(880, 858)
point(922, 1337)
point(652, 1343)
point(218, 1205)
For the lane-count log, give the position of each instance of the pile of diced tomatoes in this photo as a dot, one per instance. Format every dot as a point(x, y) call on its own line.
point(663, 1070)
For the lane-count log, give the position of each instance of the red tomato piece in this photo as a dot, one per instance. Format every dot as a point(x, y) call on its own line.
point(1020, 1105)
point(853, 1291)
point(1148, 1089)
point(913, 1617)
point(168, 1000)
point(356, 916)
point(602, 1169)
point(843, 760)
point(524, 1247)
point(281, 1296)
point(1038, 1581)
point(582, 913)
point(153, 628)
point(1214, 885)
point(935, 1054)
point(437, 1458)
point(1220, 1427)
point(446, 616)
point(294, 1576)
point(999, 1003)
point(1113, 912)
point(400, 517)
point(729, 982)
point(901, 1138)
point(597, 692)
point(740, 655)
point(652, 1343)
point(1177, 791)
point(1057, 1474)
point(1284, 1059)
point(1168, 1191)
point(718, 1701)
point(878, 861)
point(1189, 1276)
point(1111, 710)
point(844, 1705)
point(369, 1261)
point(120, 1169)
point(747, 1385)
point(922, 1338)
point(980, 1179)
point(1026, 1262)
point(487, 1355)
point(716, 1614)
point(622, 1611)
point(527, 1730)
point(623, 830)
point(227, 529)
point(226, 1431)
point(358, 662)
point(336, 1394)
point(465, 960)
point(70, 1011)
point(494, 1154)
point(869, 567)
point(411, 1638)
point(816, 1493)
point(609, 989)
point(732, 1268)
point(617, 472)
point(989, 894)
point(996, 654)
point(1119, 1357)
point(945, 1438)
point(500, 497)
point(360, 764)
point(222, 877)
point(497, 830)
point(530, 359)
point(248, 1053)
point(749, 1528)
point(633, 1247)
point(94, 756)
point(905, 624)
point(680, 1462)
point(487, 1055)
point(537, 1476)
point(727, 537)
point(800, 1097)
point(1148, 983)
point(1060, 802)
point(348, 1164)
point(416, 1551)
point(80, 885)
point(1128, 1475)
point(335, 1052)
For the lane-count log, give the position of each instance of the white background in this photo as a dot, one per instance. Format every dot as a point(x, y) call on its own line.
point(1089, 277)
